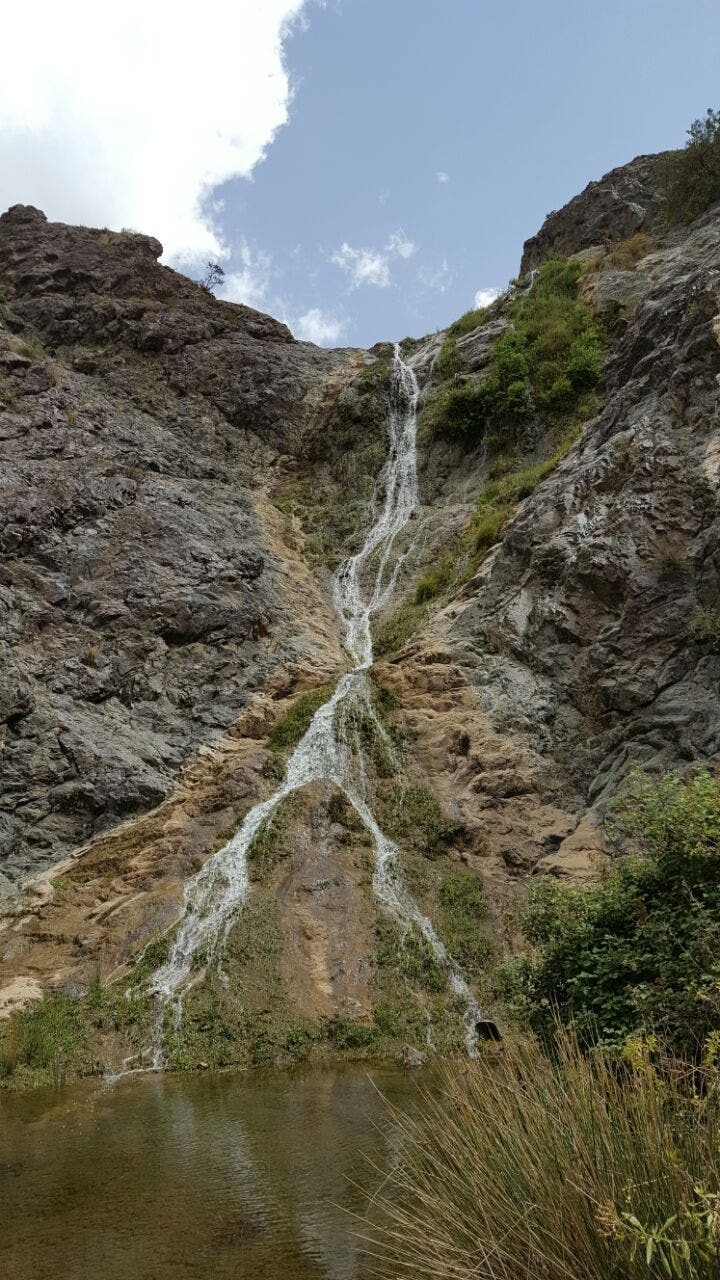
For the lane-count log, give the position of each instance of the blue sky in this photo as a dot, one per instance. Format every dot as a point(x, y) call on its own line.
point(518, 105)
point(361, 168)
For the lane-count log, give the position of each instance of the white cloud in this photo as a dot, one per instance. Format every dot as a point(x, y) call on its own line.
point(249, 282)
point(129, 115)
point(372, 266)
point(364, 266)
point(399, 246)
point(442, 177)
point(316, 326)
point(439, 278)
point(484, 297)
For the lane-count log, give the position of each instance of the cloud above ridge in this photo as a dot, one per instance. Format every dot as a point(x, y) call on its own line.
point(372, 266)
point(128, 115)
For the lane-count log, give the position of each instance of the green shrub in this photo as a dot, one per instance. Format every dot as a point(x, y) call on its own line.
point(625, 254)
point(401, 626)
point(689, 180)
point(467, 322)
point(584, 364)
point(289, 729)
point(549, 356)
point(488, 524)
point(436, 581)
point(410, 956)
point(463, 909)
point(448, 362)
point(48, 1039)
point(530, 1168)
point(270, 845)
point(640, 950)
point(415, 815)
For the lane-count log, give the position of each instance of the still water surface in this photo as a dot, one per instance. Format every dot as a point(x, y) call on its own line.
point(202, 1177)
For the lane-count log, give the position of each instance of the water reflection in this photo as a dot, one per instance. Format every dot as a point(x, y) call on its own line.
point(206, 1176)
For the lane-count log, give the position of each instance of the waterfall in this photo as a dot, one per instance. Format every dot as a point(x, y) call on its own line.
point(362, 586)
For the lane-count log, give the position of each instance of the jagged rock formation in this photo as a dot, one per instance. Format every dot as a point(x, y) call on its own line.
point(587, 605)
point(143, 601)
point(180, 474)
point(620, 204)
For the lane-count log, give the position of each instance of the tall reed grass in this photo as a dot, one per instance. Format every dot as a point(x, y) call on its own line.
point(577, 1168)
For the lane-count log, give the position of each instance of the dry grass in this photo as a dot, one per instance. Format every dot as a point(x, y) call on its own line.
point(625, 254)
point(579, 1169)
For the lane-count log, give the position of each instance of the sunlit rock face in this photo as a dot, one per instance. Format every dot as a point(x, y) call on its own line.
point(181, 479)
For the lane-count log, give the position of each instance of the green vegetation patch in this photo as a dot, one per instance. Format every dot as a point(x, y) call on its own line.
point(272, 842)
point(414, 1005)
point(47, 1041)
point(448, 361)
point(409, 955)
point(395, 632)
point(238, 1015)
point(689, 180)
point(639, 952)
point(414, 815)
point(62, 1036)
point(468, 322)
point(463, 911)
point(372, 729)
point(547, 360)
point(295, 722)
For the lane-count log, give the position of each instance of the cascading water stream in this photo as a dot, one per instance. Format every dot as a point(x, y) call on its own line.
point(213, 897)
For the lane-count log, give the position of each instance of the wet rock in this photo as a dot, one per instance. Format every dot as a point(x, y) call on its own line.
point(413, 1059)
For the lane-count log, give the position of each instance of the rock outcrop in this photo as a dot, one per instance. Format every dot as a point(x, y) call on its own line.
point(142, 597)
point(581, 623)
point(622, 203)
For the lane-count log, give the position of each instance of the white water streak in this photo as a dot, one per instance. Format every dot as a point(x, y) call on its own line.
point(362, 586)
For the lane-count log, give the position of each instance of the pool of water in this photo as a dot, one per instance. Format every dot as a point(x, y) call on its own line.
point(165, 1178)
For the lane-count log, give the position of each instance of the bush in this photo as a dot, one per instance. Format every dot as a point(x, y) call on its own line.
point(535, 1169)
point(488, 524)
point(448, 362)
point(401, 626)
point(640, 950)
point(436, 581)
point(410, 956)
point(415, 815)
point(48, 1040)
point(625, 254)
point(548, 357)
point(463, 908)
point(467, 322)
point(689, 180)
point(290, 728)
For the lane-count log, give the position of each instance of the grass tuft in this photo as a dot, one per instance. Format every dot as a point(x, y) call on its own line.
point(528, 1168)
point(289, 729)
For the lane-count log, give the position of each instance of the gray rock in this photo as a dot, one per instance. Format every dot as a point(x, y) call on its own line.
point(621, 203)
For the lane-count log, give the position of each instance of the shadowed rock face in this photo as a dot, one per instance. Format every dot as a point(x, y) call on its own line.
point(141, 599)
point(621, 203)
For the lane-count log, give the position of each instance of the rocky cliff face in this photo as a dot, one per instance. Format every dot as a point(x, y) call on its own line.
point(180, 476)
point(622, 203)
point(590, 631)
point(143, 424)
